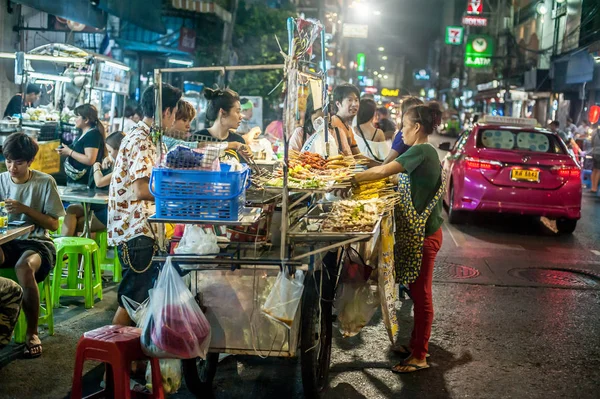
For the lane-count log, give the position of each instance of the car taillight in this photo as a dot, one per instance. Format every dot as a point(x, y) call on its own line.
point(481, 164)
point(568, 172)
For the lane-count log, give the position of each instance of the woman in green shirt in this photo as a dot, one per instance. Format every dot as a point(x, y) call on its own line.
point(422, 165)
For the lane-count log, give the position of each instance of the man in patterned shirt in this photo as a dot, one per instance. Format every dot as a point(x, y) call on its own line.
point(131, 203)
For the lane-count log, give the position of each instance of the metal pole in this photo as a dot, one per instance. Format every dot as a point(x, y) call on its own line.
point(113, 105)
point(160, 231)
point(284, 200)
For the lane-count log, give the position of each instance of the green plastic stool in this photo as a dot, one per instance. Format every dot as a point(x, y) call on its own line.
point(106, 263)
point(92, 287)
point(46, 311)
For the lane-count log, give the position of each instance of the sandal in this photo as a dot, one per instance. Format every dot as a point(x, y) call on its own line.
point(403, 351)
point(414, 367)
point(33, 348)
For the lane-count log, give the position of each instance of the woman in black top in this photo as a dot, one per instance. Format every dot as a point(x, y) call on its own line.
point(87, 149)
point(225, 111)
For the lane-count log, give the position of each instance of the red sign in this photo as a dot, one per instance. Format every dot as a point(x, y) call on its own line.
point(187, 40)
point(371, 90)
point(594, 114)
point(474, 21)
point(475, 7)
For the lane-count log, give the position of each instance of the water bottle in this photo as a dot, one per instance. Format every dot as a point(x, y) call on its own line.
point(3, 218)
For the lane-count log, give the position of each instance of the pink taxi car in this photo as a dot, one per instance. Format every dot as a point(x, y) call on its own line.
point(507, 165)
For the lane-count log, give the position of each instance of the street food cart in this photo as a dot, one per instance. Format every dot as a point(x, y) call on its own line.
point(232, 286)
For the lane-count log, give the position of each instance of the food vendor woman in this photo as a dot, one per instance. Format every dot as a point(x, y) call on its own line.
point(86, 150)
point(421, 165)
point(224, 112)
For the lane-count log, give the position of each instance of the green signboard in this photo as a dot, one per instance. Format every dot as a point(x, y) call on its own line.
point(454, 35)
point(479, 51)
point(361, 60)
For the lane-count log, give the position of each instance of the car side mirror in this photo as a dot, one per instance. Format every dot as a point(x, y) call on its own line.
point(445, 146)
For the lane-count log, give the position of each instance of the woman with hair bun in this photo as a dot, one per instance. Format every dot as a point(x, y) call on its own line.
point(422, 193)
point(225, 113)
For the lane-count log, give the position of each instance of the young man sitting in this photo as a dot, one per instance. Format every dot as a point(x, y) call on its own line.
point(31, 197)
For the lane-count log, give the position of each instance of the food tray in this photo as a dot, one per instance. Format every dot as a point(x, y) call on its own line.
point(301, 231)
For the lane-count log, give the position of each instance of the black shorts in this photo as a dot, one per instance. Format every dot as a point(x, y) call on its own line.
point(13, 250)
point(136, 282)
point(596, 159)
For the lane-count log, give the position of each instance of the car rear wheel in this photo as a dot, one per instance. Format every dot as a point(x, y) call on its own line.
point(566, 226)
point(454, 216)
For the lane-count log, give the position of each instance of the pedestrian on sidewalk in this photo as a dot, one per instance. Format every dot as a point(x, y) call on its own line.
point(418, 244)
point(130, 202)
point(596, 160)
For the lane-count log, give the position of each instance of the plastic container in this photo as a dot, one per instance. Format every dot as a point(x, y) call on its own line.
point(199, 194)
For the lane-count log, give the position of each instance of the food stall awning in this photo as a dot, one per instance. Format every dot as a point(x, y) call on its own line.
point(75, 10)
point(141, 47)
point(202, 6)
point(143, 13)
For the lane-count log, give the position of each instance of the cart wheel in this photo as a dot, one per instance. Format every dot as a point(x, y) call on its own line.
point(199, 374)
point(315, 340)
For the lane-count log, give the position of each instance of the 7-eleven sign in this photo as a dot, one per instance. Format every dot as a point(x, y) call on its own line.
point(475, 7)
point(454, 35)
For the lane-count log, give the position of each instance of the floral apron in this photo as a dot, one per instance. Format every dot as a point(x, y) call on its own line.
point(410, 231)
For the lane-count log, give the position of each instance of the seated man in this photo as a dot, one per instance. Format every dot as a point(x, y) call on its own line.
point(31, 197)
point(10, 306)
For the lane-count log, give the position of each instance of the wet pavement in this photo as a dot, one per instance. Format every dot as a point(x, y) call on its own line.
point(517, 316)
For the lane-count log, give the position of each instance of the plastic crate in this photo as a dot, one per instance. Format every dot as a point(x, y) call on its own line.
point(199, 194)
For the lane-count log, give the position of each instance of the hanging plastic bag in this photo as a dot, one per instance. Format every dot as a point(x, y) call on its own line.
point(170, 371)
point(197, 241)
point(174, 323)
point(316, 142)
point(283, 300)
point(356, 303)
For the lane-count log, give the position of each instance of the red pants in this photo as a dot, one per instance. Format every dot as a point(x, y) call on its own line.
point(420, 292)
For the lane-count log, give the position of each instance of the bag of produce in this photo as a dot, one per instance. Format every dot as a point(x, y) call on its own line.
point(356, 303)
point(176, 324)
point(170, 371)
point(283, 300)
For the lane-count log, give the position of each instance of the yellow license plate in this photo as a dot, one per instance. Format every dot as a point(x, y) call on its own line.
point(525, 175)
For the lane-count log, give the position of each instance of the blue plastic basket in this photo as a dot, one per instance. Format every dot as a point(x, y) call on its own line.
point(199, 194)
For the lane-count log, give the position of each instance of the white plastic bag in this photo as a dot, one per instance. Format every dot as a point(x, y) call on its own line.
point(316, 142)
point(170, 371)
point(283, 300)
point(174, 325)
point(356, 303)
point(197, 241)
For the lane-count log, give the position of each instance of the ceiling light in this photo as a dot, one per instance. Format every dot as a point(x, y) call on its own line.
point(47, 77)
point(381, 49)
point(541, 8)
point(384, 58)
point(117, 65)
point(386, 76)
point(180, 62)
point(330, 53)
point(382, 68)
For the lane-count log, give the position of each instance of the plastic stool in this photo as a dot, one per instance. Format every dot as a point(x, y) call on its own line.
point(118, 347)
point(58, 231)
point(46, 312)
point(73, 247)
point(586, 178)
point(107, 263)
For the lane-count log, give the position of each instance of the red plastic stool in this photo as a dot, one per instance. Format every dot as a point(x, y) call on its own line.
point(118, 347)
